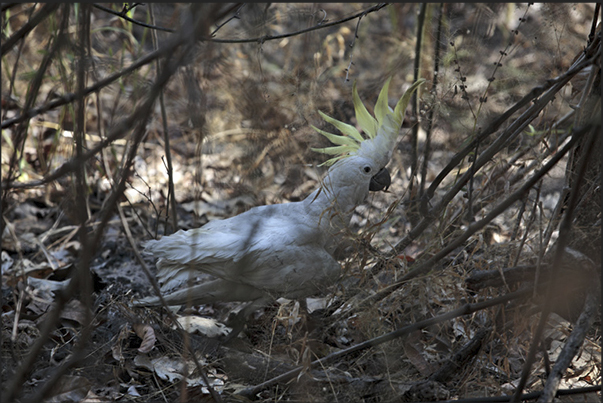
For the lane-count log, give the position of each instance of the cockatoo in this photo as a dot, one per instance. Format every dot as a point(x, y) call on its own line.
point(284, 250)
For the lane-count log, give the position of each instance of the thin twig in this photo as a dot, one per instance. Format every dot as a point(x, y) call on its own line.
point(82, 274)
point(484, 98)
point(434, 89)
point(473, 170)
point(20, 135)
point(7, 6)
point(33, 22)
point(70, 97)
point(527, 396)
point(531, 220)
point(414, 137)
point(509, 134)
point(550, 87)
point(430, 264)
point(466, 309)
point(461, 357)
point(264, 38)
point(347, 70)
point(572, 345)
point(13, 75)
point(260, 39)
point(235, 16)
point(139, 117)
point(166, 137)
point(123, 15)
point(166, 49)
point(562, 241)
point(157, 290)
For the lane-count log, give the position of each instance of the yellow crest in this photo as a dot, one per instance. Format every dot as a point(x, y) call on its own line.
point(373, 126)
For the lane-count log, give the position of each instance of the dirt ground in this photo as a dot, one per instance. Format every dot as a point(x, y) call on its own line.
point(234, 122)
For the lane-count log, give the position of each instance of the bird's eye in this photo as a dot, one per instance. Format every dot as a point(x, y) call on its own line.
point(367, 169)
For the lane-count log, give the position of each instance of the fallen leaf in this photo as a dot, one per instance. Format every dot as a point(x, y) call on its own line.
point(205, 326)
point(147, 334)
point(69, 389)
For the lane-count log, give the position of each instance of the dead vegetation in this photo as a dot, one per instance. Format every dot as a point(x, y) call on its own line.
point(477, 275)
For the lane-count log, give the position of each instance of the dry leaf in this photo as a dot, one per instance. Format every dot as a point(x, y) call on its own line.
point(205, 326)
point(70, 389)
point(147, 334)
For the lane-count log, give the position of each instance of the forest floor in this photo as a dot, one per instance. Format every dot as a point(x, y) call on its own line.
point(239, 119)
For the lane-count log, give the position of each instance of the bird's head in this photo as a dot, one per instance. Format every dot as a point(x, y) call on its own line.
point(359, 159)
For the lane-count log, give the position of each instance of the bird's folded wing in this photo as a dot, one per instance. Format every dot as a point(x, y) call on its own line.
point(265, 247)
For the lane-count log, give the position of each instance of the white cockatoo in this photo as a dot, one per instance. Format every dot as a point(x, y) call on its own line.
point(284, 250)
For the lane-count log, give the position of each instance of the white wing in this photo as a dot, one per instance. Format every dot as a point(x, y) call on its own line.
point(274, 248)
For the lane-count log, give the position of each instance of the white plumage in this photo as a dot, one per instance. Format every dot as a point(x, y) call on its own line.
point(284, 250)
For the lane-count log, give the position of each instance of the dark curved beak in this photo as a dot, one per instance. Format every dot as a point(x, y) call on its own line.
point(380, 181)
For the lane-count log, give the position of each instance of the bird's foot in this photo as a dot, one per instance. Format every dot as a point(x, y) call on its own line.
point(236, 322)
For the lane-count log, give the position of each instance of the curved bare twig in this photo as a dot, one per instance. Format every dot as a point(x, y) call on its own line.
point(132, 20)
point(320, 25)
point(68, 98)
point(463, 310)
point(37, 18)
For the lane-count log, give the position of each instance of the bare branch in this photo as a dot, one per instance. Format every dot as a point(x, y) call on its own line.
point(38, 17)
point(429, 265)
point(464, 310)
point(132, 20)
point(265, 38)
point(564, 234)
point(70, 97)
point(572, 345)
point(510, 133)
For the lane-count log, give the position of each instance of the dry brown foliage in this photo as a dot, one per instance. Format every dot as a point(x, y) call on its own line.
point(477, 275)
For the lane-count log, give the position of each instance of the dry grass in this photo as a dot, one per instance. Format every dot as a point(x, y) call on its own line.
point(233, 120)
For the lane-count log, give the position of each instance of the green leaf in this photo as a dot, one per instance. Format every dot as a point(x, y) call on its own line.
point(345, 128)
point(365, 120)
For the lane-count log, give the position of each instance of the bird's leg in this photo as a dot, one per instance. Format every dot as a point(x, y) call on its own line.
point(217, 290)
point(237, 321)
